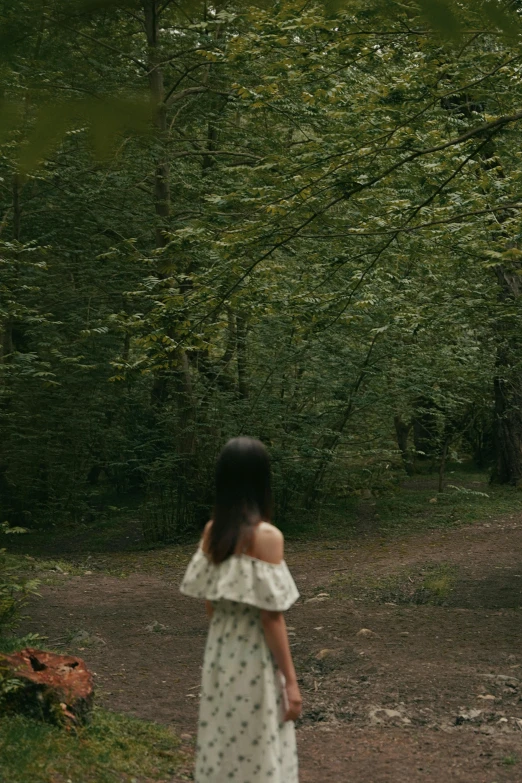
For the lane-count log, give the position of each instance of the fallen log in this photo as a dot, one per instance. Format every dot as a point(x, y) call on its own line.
point(55, 688)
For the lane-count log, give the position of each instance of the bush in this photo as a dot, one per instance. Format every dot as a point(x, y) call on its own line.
point(15, 590)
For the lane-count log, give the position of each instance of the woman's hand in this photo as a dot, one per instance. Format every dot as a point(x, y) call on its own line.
point(295, 702)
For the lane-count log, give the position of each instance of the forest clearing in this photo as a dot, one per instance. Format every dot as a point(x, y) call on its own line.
point(407, 646)
point(293, 227)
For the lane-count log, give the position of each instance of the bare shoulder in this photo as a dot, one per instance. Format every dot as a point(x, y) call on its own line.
point(205, 536)
point(269, 543)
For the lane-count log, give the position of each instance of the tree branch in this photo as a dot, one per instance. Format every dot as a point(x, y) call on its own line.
point(486, 126)
point(105, 45)
point(409, 229)
point(170, 98)
point(232, 153)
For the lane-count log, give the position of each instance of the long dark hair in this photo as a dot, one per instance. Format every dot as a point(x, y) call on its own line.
point(243, 496)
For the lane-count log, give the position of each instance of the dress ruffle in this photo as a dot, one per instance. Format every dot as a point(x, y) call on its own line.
point(241, 578)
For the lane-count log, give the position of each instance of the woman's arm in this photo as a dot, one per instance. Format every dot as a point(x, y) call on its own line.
point(274, 627)
point(270, 547)
point(203, 543)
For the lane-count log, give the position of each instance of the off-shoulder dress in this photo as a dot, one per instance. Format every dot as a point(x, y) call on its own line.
point(241, 734)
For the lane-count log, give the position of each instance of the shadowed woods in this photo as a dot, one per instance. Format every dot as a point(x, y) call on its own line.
point(299, 222)
point(407, 650)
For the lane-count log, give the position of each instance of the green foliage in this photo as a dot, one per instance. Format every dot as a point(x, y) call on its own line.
point(315, 243)
point(15, 590)
point(10, 644)
point(14, 593)
point(106, 122)
point(415, 507)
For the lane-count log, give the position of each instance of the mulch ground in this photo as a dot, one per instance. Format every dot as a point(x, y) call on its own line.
point(397, 687)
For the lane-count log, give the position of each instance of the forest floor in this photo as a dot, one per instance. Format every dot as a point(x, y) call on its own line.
point(408, 649)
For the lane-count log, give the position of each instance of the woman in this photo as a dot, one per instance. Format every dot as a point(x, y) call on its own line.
point(249, 691)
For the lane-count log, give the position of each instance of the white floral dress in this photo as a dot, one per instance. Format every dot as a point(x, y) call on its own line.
point(241, 734)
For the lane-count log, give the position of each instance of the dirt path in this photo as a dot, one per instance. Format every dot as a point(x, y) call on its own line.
point(430, 691)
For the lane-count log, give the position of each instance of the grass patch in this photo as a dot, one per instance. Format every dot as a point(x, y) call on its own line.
point(406, 511)
point(412, 508)
point(48, 571)
point(112, 749)
point(44, 570)
point(430, 583)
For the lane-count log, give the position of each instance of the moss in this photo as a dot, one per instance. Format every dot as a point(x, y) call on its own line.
point(112, 749)
point(428, 583)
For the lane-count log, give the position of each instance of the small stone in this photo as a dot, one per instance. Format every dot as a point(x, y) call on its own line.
point(504, 678)
point(366, 632)
point(323, 653)
point(156, 627)
point(80, 636)
point(316, 599)
point(380, 715)
point(85, 638)
point(467, 717)
point(487, 697)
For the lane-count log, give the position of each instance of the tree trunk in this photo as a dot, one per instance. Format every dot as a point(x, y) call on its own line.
point(7, 338)
point(442, 463)
point(208, 160)
point(162, 173)
point(57, 688)
point(425, 428)
point(507, 434)
point(402, 432)
point(330, 443)
point(241, 353)
point(180, 373)
point(508, 390)
point(17, 210)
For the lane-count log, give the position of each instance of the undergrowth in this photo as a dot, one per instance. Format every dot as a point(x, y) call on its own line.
point(412, 508)
point(416, 506)
point(113, 748)
point(429, 583)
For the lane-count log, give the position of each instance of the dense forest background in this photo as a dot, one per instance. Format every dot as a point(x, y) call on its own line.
point(289, 220)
